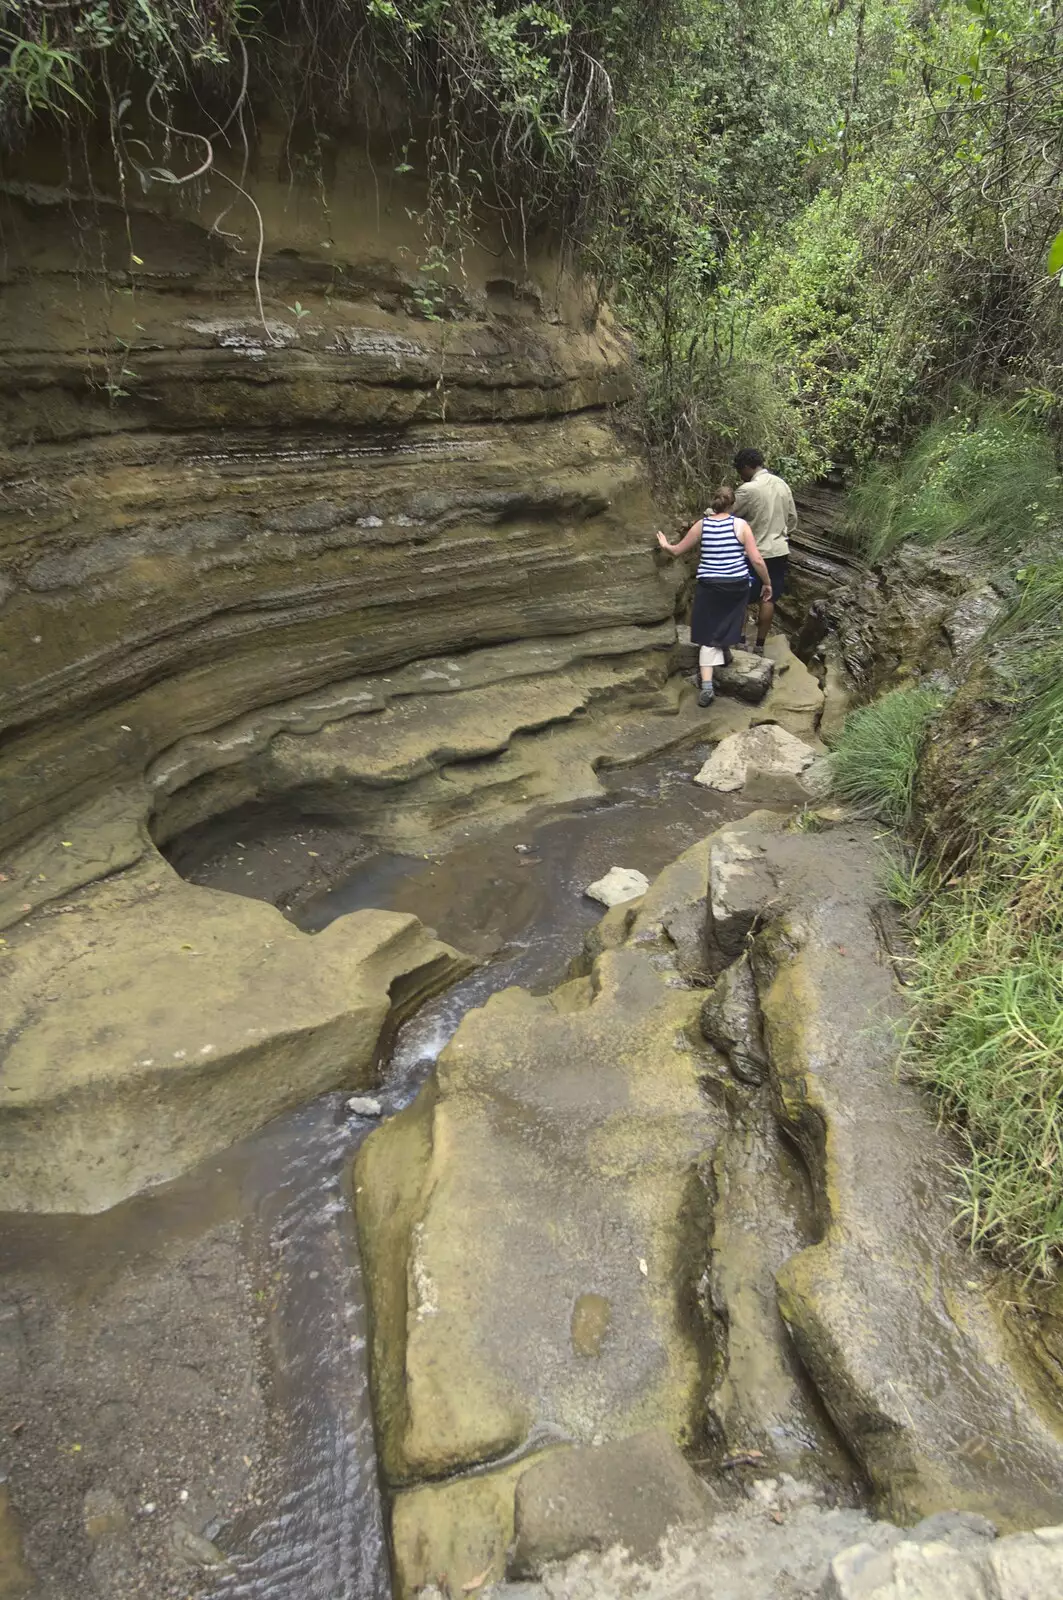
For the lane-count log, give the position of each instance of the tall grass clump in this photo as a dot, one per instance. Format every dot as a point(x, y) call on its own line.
point(987, 1029)
point(993, 478)
point(876, 759)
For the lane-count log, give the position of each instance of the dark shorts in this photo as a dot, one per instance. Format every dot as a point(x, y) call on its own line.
point(777, 566)
point(718, 614)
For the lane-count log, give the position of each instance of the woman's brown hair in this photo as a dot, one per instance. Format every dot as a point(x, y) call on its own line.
point(724, 498)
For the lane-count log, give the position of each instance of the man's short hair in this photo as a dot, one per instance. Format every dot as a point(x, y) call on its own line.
point(748, 460)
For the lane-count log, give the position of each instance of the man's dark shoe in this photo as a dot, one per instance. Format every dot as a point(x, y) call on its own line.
point(756, 649)
point(707, 695)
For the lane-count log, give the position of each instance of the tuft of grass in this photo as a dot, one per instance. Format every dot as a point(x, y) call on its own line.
point(987, 1034)
point(993, 478)
point(877, 754)
point(807, 820)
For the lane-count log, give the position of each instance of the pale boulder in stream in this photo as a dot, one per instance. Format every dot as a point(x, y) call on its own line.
point(619, 885)
point(764, 749)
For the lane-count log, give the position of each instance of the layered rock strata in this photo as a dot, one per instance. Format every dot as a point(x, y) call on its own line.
point(247, 510)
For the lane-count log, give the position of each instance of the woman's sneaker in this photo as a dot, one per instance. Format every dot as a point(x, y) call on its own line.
point(707, 695)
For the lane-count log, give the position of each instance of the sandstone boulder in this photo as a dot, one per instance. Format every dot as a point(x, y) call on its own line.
point(766, 748)
point(619, 885)
point(747, 677)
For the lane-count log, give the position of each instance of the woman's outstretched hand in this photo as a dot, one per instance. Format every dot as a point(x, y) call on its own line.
point(663, 542)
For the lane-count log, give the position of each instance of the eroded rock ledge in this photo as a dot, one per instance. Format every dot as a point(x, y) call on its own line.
point(585, 1223)
point(149, 1023)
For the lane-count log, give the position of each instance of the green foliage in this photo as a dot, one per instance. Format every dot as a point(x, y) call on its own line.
point(39, 73)
point(865, 199)
point(533, 88)
point(988, 1029)
point(877, 755)
point(992, 478)
point(707, 168)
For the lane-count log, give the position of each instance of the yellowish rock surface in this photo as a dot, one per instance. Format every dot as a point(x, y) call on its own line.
point(553, 1158)
point(150, 1023)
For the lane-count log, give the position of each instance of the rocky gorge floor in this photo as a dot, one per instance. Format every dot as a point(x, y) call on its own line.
point(571, 1136)
point(190, 1350)
point(666, 1190)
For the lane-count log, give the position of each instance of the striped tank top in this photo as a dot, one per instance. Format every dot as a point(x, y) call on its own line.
point(723, 556)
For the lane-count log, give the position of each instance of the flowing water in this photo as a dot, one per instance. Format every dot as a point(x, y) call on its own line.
point(199, 1353)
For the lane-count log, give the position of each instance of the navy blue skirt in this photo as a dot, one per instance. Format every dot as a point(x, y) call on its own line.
point(718, 615)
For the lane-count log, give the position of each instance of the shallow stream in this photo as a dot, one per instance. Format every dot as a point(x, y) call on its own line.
point(191, 1366)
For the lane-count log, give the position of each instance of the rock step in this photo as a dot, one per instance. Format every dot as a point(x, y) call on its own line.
point(132, 1052)
point(552, 1158)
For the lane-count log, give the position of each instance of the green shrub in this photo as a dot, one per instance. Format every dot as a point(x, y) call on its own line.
point(877, 754)
point(993, 479)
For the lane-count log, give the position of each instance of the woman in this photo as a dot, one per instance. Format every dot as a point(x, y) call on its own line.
point(728, 551)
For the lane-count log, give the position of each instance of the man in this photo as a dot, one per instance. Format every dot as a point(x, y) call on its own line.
point(768, 506)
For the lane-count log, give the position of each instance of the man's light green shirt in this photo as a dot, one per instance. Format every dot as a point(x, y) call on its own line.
point(768, 506)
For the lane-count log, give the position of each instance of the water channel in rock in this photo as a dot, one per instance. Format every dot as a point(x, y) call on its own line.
point(190, 1366)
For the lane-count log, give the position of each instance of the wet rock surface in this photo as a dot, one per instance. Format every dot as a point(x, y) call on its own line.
point(562, 1133)
point(132, 1418)
point(241, 1269)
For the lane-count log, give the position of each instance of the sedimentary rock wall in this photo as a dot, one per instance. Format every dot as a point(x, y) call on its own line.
point(209, 507)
